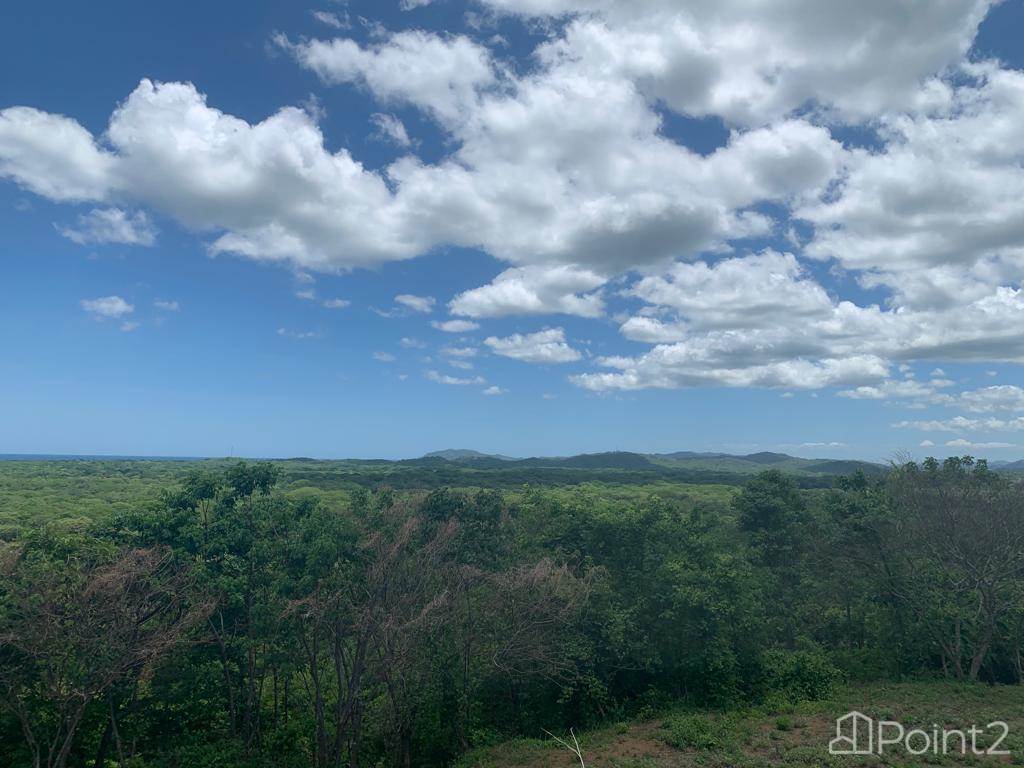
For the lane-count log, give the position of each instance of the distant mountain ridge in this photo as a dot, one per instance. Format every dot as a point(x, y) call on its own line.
point(680, 460)
point(1007, 466)
point(462, 454)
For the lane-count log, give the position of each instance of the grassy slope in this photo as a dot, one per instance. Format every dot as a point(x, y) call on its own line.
point(783, 736)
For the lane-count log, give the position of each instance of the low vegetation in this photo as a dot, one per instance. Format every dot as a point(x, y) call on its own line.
point(782, 734)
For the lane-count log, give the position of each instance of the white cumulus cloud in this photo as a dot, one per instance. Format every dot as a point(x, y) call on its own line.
point(534, 290)
point(547, 346)
point(396, 70)
point(568, 168)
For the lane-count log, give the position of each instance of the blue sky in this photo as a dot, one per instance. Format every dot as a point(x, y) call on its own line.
point(654, 239)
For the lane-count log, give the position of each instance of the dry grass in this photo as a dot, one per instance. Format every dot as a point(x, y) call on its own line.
point(786, 735)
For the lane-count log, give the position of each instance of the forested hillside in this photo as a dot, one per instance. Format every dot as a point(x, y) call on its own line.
point(234, 614)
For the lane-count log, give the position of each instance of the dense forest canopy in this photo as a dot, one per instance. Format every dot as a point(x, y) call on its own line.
point(227, 620)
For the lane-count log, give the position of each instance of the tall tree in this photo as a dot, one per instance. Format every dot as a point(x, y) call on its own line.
point(962, 535)
point(773, 512)
point(76, 621)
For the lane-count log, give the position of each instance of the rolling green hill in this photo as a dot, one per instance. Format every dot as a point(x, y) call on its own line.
point(721, 463)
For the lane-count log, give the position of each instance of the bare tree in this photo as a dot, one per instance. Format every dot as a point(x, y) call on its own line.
point(414, 587)
point(367, 619)
point(537, 606)
point(72, 629)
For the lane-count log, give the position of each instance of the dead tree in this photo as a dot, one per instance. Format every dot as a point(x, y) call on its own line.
point(73, 629)
point(363, 620)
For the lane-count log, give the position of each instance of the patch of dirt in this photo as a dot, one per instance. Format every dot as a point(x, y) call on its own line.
point(642, 740)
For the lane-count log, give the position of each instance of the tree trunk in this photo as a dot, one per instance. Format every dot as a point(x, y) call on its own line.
point(222, 648)
point(104, 746)
point(117, 734)
point(355, 742)
point(979, 658)
point(61, 760)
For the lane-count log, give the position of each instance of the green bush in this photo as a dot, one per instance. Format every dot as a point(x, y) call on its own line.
point(716, 680)
point(796, 676)
point(692, 730)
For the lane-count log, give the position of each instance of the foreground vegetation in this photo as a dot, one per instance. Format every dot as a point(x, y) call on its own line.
point(231, 614)
point(783, 734)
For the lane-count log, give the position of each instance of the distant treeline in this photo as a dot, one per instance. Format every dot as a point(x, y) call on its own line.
point(232, 624)
point(449, 474)
point(612, 468)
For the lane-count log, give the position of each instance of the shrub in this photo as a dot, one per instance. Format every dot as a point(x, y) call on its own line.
point(692, 730)
point(796, 675)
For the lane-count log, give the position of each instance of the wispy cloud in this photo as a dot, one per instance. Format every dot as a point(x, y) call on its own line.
point(111, 225)
point(422, 304)
point(389, 128)
point(332, 20)
point(107, 307)
point(441, 378)
point(455, 326)
point(462, 352)
point(967, 444)
point(291, 334)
